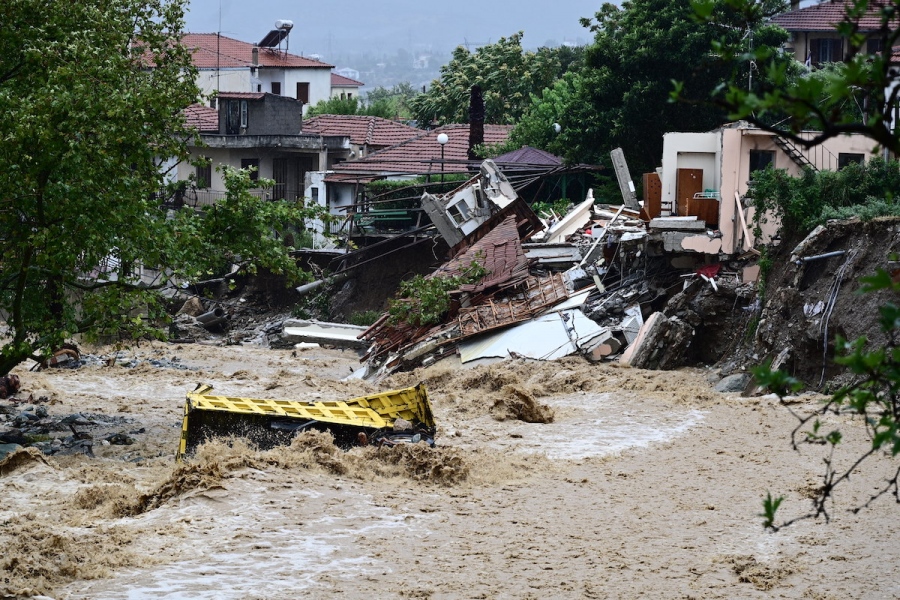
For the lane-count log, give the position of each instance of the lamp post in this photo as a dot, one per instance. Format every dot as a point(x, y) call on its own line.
point(442, 139)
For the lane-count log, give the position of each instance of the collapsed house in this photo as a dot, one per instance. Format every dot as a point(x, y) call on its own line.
point(636, 282)
point(529, 301)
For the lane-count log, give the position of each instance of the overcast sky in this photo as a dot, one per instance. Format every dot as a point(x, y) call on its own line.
point(385, 25)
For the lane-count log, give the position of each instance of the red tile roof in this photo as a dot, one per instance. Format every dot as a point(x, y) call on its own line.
point(202, 118)
point(499, 252)
point(422, 154)
point(361, 129)
point(217, 51)
point(826, 15)
point(341, 81)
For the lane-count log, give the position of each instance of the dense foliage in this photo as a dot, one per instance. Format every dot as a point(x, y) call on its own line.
point(820, 101)
point(801, 203)
point(622, 95)
point(91, 94)
point(396, 98)
point(425, 300)
point(507, 75)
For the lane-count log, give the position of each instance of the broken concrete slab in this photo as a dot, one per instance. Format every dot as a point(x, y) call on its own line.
point(606, 347)
point(342, 335)
point(661, 344)
point(560, 256)
point(800, 249)
point(702, 243)
point(677, 224)
point(750, 274)
point(572, 222)
point(681, 241)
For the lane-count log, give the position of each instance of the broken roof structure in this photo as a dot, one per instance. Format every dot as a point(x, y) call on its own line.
point(506, 294)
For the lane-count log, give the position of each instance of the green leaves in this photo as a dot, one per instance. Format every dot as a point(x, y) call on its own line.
point(801, 203)
point(507, 75)
point(770, 507)
point(85, 126)
point(425, 300)
point(789, 99)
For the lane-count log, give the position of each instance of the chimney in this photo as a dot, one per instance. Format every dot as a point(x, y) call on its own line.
point(255, 57)
point(476, 120)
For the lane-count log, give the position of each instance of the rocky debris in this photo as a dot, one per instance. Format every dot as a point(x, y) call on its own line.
point(793, 325)
point(35, 427)
point(192, 307)
point(186, 328)
point(736, 382)
point(661, 344)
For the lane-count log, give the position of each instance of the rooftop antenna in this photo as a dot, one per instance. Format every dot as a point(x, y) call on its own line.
point(218, 53)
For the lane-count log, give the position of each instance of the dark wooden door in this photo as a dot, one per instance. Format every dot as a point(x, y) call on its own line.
point(688, 183)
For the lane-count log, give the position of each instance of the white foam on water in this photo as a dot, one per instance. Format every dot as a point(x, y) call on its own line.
point(598, 425)
point(257, 550)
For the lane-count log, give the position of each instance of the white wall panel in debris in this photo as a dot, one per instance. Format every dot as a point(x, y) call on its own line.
point(547, 337)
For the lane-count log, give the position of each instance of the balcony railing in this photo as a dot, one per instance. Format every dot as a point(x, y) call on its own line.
point(200, 198)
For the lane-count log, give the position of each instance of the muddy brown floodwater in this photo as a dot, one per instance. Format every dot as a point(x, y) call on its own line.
point(625, 484)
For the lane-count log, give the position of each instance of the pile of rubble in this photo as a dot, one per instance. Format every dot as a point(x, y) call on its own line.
point(599, 281)
point(28, 423)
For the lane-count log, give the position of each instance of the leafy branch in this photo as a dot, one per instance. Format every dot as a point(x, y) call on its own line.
point(875, 396)
point(425, 300)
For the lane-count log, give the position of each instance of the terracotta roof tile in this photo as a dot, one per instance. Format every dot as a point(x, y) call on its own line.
point(500, 252)
point(341, 81)
point(212, 51)
point(202, 118)
point(826, 15)
point(422, 154)
point(361, 129)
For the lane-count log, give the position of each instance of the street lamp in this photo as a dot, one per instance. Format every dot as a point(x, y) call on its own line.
point(442, 139)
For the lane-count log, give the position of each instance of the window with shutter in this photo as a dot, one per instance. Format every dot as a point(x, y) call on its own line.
point(303, 92)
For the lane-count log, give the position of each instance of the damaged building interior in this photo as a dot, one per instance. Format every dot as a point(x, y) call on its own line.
point(606, 281)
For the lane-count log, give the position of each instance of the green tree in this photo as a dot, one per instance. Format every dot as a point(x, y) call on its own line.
point(396, 97)
point(507, 74)
point(621, 97)
point(352, 106)
point(335, 106)
point(92, 93)
point(821, 100)
point(243, 229)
